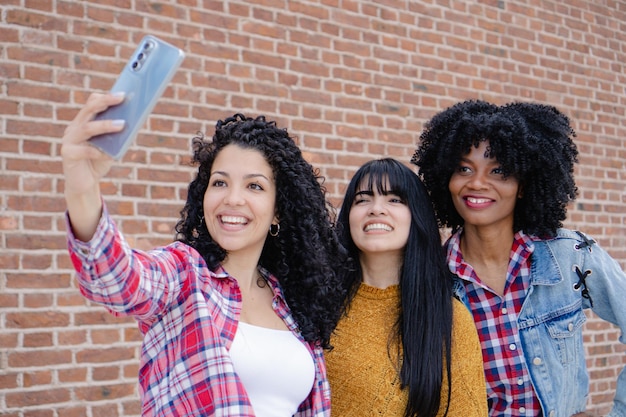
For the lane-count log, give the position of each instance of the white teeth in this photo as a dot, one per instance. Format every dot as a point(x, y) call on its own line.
point(378, 226)
point(234, 219)
point(478, 200)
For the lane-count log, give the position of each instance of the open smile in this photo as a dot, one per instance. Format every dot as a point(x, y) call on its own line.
point(233, 220)
point(377, 226)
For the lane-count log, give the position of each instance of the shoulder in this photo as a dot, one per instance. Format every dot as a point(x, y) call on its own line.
point(460, 311)
point(462, 320)
point(565, 241)
point(189, 265)
point(182, 253)
point(467, 359)
point(563, 235)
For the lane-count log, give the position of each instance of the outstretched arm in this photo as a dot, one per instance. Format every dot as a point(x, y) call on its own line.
point(84, 165)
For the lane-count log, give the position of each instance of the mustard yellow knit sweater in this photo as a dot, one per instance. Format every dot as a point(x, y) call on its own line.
point(364, 380)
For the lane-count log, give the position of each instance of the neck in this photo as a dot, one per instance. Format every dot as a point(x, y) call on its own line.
point(244, 270)
point(486, 245)
point(381, 270)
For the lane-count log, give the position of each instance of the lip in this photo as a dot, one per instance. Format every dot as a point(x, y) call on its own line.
point(377, 226)
point(233, 220)
point(477, 202)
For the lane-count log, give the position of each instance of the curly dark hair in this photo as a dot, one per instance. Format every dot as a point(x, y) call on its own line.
point(306, 255)
point(532, 142)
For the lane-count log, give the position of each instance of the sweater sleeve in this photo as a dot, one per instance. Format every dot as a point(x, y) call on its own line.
point(469, 393)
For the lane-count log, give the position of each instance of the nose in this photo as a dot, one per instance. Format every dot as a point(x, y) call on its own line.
point(378, 206)
point(234, 197)
point(478, 181)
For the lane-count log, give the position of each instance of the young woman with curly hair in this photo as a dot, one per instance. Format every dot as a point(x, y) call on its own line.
point(501, 178)
point(237, 312)
point(404, 346)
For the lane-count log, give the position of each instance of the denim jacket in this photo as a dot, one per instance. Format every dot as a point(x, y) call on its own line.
point(551, 319)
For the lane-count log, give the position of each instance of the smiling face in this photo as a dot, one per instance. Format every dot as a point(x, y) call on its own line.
point(239, 203)
point(379, 223)
point(481, 194)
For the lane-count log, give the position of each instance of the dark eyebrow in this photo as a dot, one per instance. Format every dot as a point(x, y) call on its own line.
point(225, 174)
point(384, 193)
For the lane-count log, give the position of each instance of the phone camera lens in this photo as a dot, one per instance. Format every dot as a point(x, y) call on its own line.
point(136, 65)
point(148, 45)
point(141, 56)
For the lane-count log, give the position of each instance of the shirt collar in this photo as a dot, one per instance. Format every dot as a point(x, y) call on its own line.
point(523, 241)
point(220, 273)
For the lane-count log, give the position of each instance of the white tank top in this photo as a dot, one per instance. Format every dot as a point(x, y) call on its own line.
point(275, 368)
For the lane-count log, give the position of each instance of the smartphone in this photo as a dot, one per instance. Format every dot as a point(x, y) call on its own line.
point(143, 80)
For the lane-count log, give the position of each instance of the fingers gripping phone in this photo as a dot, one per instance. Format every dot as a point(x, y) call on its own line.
point(142, 81)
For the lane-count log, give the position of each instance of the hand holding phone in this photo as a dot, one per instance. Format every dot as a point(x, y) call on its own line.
point(143, 80)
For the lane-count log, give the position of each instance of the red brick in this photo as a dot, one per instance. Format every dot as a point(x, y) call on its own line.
point(72, 337)
point(34, 358)
point(39, 413)
point(29, 280)
point(34, 398)
point(8, 381)
point(38, 300)
point(33, 320)
point(106, 373)
point(37, 378)
point(73, 411)
point(8, 340)
point(37, 222)
point(7, 223)
point(104, 392)
point(109, 409)
point(72, 374)
point(105, 336)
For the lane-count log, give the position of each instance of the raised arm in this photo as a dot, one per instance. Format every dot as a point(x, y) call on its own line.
point(84, 165)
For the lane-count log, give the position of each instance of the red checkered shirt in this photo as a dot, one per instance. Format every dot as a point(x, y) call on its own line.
point(509, 388)
point(188, 317)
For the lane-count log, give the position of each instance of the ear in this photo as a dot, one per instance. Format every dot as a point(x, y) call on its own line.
point(520, 191)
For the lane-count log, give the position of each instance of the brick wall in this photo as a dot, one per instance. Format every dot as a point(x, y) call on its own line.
point(352, 80)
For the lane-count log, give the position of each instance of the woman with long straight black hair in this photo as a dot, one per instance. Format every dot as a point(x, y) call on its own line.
point(404, 346)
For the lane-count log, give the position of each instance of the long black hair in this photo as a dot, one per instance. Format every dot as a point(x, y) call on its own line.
point(306, 254)
point(424, 322)
point(532, 142)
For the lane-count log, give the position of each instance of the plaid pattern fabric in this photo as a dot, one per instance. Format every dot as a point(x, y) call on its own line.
point(509, 388)
point(188, 317)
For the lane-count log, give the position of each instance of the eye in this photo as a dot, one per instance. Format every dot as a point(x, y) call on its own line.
point(498, 171)
point(256, 186)
point(361, 198)
point(218, 183)
point(395, 199)
point(463, 169)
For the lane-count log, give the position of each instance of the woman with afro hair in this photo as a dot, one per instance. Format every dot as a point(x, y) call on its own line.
point(501, 178)
point(236, 313)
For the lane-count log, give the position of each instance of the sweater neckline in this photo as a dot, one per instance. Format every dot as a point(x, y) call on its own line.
point(368, 291)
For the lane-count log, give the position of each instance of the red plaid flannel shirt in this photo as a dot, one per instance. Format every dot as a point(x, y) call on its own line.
point(509, 388)
point(188, 317)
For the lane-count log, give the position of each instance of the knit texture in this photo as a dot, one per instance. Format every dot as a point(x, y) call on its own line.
point(363, 370)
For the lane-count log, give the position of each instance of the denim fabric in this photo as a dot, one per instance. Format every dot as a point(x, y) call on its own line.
point(552, 317)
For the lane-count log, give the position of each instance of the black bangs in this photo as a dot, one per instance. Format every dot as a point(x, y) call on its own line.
point(383, 176)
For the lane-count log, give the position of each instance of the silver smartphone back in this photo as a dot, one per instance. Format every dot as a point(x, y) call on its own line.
point(143, 80)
